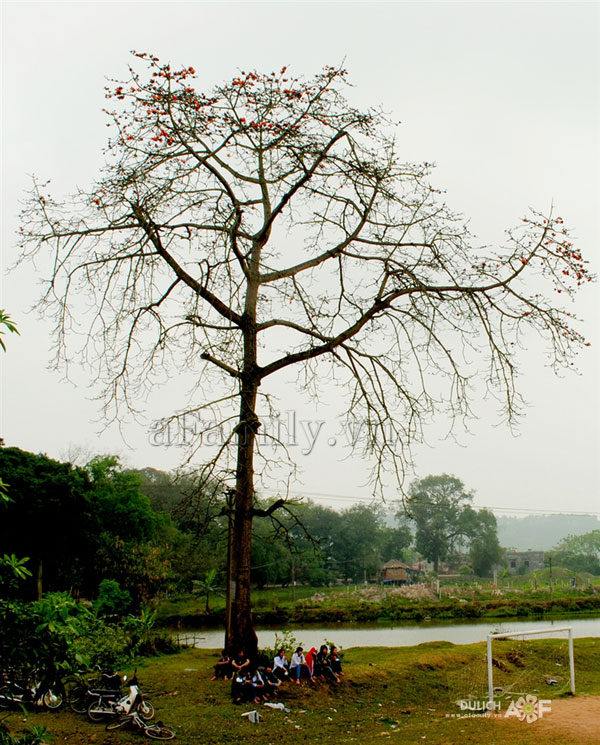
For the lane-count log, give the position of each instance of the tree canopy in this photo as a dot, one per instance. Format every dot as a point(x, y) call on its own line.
point(269, 225)
point(119, 504)
point(445, 520)
point(578, 552)
point(47, 498)
point(77, 524)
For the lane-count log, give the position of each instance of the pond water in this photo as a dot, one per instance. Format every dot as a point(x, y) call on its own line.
point(401, 635)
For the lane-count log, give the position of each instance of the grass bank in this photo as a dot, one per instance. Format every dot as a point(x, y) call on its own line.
point(407, 695)
point(310, 605)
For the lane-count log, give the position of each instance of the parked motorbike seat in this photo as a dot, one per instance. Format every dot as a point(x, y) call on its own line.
point(105, 692)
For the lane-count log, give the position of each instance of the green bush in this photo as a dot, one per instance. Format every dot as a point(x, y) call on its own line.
point(54, 622)
point(104, 644)
point(69, 636)
point(112, 600)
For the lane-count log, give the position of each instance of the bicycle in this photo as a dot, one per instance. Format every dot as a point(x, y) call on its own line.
point(156, 730)
point(85, 689)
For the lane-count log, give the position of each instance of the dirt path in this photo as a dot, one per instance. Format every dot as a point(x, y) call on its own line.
point(572, 721)
point(578, 718)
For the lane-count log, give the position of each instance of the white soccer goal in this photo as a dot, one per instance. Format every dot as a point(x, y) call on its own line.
point(499, 635)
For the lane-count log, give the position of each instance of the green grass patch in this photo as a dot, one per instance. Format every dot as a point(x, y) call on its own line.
point(405, 694)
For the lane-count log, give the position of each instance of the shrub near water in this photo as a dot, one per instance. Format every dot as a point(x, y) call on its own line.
point(69, 636)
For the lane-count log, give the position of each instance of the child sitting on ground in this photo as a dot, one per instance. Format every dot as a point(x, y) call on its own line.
point(299, 667)
point(323, 665)
point(334, 659)
point(280, 665)
point(272, 682)
point(223, 667)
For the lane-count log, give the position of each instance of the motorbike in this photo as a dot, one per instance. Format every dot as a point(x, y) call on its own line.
point(33, 690)
point(108, 706)
point(86, 690)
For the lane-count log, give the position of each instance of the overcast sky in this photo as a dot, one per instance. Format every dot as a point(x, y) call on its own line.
point(503, 97)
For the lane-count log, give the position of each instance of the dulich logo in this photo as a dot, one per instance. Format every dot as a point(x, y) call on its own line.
point(528, 708)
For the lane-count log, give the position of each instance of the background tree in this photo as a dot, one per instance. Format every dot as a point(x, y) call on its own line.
point(436, 504)
point(581, 553)
point(165, 491)
point(125, 528)
point(541, 532)
point(313, 537)
point(587, 544)
point(48, 519)
point(12, 568)
point(271, 559)
point(80, 525)
point(396, 540)
point(485, 551)
point(445, 521)
point(119, 504)
point(268, 225)
point(193, 523)
point(356, 543)
point(207, 587)
point(8, 323)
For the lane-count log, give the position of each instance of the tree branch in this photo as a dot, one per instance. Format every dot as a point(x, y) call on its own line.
point(152, 232)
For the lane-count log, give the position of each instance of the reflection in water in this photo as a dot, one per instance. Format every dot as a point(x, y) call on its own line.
point(406, 635)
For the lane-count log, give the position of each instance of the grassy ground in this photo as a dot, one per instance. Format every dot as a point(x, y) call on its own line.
point(407, 695)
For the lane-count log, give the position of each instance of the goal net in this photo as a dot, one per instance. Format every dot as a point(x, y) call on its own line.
point(528, 662)
point(516, 664)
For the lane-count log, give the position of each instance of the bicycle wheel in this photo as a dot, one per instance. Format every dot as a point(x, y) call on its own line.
point(146, 710)
point(119, 722)
point(78, 699)
point(159, 732)
point(96, 711)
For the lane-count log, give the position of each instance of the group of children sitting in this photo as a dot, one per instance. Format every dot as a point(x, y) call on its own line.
point(260, 681)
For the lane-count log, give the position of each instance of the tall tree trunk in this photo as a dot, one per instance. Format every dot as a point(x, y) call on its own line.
point(242, 633)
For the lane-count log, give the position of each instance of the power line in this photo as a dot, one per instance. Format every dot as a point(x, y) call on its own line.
point(368, 500)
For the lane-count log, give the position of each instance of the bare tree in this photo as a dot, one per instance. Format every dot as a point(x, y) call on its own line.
point(271, 225)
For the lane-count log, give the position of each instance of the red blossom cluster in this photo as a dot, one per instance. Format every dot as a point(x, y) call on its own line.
point(163, 136)
point(144, 55)
point(166, 94)
point(555, 239)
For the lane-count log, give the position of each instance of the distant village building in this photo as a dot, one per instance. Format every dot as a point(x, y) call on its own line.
point(521, 562)
point(397, 573)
